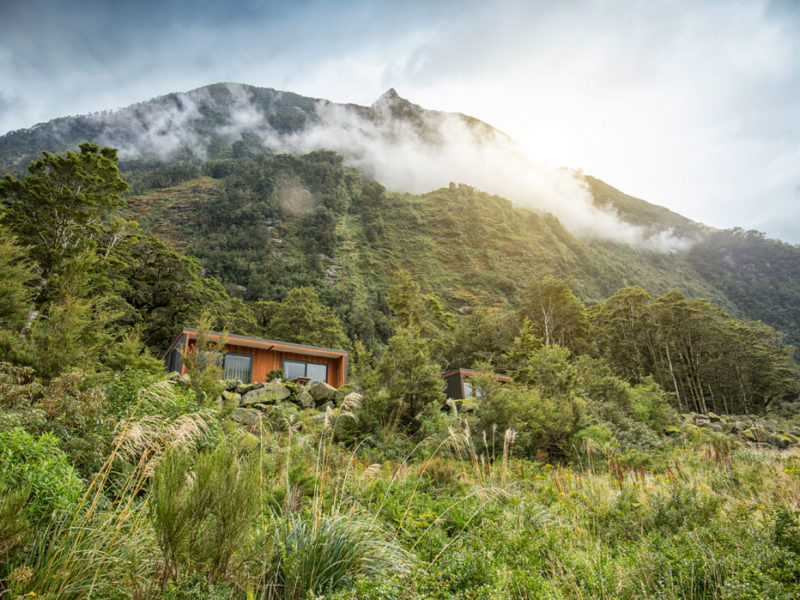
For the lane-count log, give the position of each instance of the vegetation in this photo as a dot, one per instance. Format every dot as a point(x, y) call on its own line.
point(647, 446)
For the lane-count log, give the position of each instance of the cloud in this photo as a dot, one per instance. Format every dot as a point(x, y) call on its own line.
point(689, 104)
point(399, 144)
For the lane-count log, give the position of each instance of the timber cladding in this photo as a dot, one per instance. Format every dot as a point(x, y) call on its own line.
point(268, 355)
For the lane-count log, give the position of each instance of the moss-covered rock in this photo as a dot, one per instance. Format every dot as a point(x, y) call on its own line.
point(270, 393)
point(249, 417)
point(322, 392)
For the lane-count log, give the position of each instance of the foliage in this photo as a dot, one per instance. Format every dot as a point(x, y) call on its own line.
point(408, 375)
point(38, 464)
point(16, 279)
point(301, 318)
point(543, 423)
point(13, 524)
point(202, 509)
point(315, 557)
point(59, 210)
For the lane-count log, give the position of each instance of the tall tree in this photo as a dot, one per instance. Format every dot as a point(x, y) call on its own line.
point(60, 209)
point(555, 313)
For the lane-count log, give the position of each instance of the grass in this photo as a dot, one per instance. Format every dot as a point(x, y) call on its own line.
point(452, 518)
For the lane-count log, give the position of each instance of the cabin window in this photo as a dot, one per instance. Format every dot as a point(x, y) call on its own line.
point(300, 368)
point(473, 391)
point(238, 366)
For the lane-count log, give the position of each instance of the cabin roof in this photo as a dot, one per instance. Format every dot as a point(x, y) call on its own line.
point(266, 344)
point(468, 372)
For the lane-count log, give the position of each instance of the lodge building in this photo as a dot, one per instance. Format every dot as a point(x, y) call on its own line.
point(251, 359)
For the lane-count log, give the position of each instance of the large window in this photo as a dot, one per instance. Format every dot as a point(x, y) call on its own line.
point(299, 368)
point(238, 366)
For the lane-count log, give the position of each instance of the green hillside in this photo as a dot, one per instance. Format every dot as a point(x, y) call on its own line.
point(465, 245)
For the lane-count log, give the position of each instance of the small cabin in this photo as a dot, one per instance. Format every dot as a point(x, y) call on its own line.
point(458, 386)
point(250, 359)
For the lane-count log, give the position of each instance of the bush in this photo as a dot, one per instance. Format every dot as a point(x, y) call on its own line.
point(38, 464)
point(202, 513)
point(542, 423)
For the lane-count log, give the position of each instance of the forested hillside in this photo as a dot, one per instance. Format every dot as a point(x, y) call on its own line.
point(264, 224)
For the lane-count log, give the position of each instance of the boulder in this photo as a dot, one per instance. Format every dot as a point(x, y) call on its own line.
point(249, 417)
point(232, 384)
point(249, 387)
point(248, 442)
point(268, 394)
point(229, 400)
point(322, 392)
point(325, 406)
point(713, 417)
point(304, 398)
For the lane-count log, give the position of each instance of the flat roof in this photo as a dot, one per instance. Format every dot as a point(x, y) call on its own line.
point(254, 342)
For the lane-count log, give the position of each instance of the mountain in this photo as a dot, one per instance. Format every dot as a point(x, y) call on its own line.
point(272, 190)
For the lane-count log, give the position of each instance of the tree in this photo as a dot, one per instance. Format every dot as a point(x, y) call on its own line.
point(16, 278)
point(301, 318)
point(60, 208)
point(555, 312)
point(409, 375)
point(423, 312)
point(623, 331)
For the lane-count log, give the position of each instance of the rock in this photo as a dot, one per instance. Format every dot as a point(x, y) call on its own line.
point(249, 387)
point(284, 412)
point(261, 407)
point(751, 435)
point(268, 394)
point(713, 417)
point(304, 399)
point(229, 400)
point(322, 392)
point(249, 417)
point(325, 406)
point(232, 384)
point(174, 376)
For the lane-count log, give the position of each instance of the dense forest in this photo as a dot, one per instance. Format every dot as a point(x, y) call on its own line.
point(648, 445)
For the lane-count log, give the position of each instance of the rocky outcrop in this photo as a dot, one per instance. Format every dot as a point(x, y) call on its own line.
point(249, 404)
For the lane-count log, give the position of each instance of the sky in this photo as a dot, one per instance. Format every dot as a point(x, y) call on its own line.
point(694, 105)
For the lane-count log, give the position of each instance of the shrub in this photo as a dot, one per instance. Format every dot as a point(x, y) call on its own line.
point(202, 513)
point(38, 464)
point(542, 423)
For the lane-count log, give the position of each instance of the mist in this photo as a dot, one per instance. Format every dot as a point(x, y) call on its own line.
point(399, 144)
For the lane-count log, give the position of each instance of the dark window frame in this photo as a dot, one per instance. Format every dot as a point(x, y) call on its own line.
point(239, 355)
point(305, 364)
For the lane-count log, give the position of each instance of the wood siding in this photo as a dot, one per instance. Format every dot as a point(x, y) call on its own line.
point(266, 360)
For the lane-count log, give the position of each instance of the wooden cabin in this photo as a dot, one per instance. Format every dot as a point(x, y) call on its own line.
point(250, 359)
point(458, 386)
